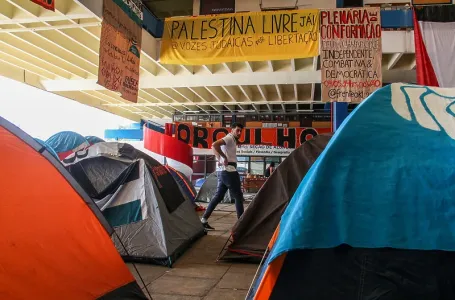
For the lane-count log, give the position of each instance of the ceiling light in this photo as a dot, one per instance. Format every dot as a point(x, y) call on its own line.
point(191, 111)
point(247, 111)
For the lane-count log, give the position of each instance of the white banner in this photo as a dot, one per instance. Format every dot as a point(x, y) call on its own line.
point(262, 150)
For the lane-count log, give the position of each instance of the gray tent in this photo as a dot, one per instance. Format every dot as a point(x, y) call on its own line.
point(140, 199)
point(253, 231)
point(208, 190)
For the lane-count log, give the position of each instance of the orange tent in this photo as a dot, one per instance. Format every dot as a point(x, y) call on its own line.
point(55, 244)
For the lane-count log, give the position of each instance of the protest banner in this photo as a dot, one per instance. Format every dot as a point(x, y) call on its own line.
point(351, 54)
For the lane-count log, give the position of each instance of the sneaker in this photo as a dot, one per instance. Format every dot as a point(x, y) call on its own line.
point(207, 226)
point(200, 208)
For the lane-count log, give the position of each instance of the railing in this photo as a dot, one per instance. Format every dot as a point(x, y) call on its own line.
point(152, 24)
point(397, 18)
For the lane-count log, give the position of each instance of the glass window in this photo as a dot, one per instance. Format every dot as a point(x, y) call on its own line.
point(191, 118)
point(215, 118)
point(251, 117)
point(204, 118)
point(242, 158)
point(257, 168)
point(242, 168)
point(257, 158)
point(275, 159)
point(178, 118)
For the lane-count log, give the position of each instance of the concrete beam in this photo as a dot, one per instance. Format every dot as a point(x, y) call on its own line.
point(212, 80)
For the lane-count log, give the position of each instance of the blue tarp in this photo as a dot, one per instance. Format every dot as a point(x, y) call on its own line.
point(65, 141)
point(386, 179)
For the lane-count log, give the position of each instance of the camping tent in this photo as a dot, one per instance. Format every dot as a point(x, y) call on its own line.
point(252, 232)
point(184, 183)
point(48, 148)
point(208, 190)
point(140, 199)
point(54, 243)
point(186, 187)
point(67, 142)
point(373, 217)
point(93, 139)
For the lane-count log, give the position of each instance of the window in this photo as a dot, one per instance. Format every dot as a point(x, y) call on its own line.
point(257, 165)
point(178, 118)
point(191, 118)
point(242, 167)
point(215, 118)
point(251, 117)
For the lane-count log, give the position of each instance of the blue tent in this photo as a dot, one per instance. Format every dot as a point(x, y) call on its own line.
point(381, 193)
point(66, 142)
point(94, 139)
point(48, 148)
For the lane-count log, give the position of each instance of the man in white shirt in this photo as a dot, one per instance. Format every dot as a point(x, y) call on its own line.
point(228, 178)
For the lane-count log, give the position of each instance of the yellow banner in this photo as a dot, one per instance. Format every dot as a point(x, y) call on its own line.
point(252, 36)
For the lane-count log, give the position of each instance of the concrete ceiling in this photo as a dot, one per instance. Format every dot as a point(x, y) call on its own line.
point(58, 52)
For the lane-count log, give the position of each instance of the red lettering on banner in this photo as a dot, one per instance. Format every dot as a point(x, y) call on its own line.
point(351, 48)
point(280, 137)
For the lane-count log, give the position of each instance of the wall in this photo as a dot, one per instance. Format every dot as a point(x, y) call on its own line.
point(253, 5)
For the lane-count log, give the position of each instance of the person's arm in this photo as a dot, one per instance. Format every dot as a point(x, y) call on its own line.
point(218, 152)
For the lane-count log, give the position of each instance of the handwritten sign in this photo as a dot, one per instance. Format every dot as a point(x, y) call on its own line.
point(351, 54)
point(120, 48)
point(239, 37)
point(47, 4)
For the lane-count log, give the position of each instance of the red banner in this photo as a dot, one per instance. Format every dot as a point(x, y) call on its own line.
point(201, 137)
point(47, 4)
point(167, 146)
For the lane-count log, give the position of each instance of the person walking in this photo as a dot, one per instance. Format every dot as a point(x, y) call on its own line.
point(228, 178)
point(270, 169)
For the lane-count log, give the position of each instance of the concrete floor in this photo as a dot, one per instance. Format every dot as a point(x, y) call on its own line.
point(196, 275)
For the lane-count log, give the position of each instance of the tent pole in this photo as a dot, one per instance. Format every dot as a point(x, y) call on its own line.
point(134, 265)
point(258, 270)
point(224, 248)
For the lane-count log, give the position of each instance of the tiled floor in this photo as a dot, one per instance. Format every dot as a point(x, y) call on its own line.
point(196, 275)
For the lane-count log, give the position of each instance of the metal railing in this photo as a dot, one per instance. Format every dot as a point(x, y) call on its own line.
point(397, 18)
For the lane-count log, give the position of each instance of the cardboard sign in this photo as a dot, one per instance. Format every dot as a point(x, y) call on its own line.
point(120, 48)
point(351, 53)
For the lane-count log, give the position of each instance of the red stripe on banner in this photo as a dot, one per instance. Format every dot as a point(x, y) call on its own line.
point(168, 147)
point(424, 68)
point(63, 155)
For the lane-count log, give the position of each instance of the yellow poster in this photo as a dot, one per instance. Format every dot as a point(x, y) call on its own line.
point(251, 36)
